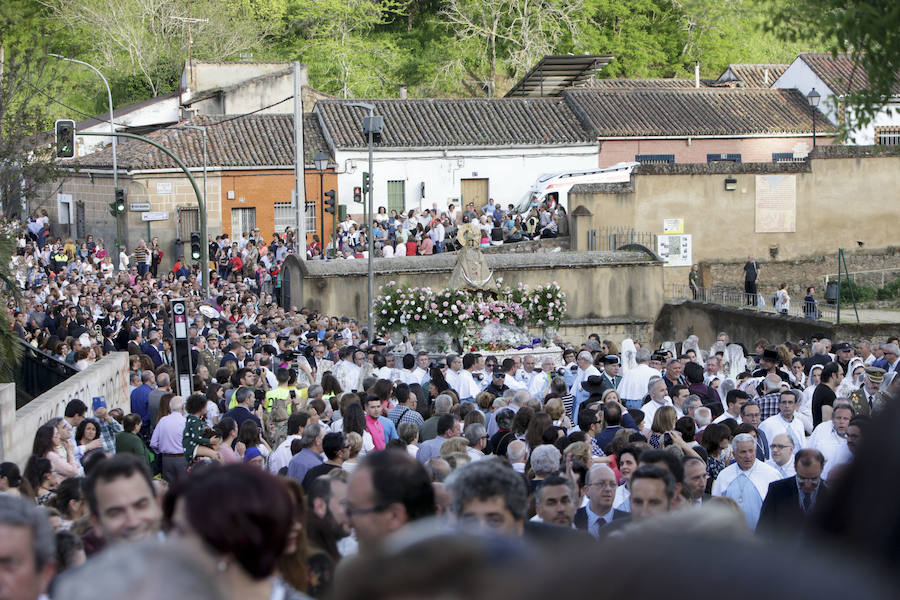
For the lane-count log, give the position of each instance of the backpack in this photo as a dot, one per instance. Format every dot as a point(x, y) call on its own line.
point(279, 410)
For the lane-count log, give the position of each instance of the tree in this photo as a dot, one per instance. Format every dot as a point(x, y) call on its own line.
point(149, 39)
point(867, 30)
point(341, 42)
point(506, 38)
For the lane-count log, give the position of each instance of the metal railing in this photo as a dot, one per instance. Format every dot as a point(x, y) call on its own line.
point(736, 297)
point(876, 278)
point(613, 238)
point(38, 372)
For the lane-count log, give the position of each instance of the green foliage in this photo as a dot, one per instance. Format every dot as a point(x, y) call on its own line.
point(862, 293)
point(869, 30)
point(10, 353)
point(890, 291)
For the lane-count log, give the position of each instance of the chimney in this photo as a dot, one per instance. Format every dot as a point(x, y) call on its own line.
point(697, 75)
point(403, 92)
point(766, 75)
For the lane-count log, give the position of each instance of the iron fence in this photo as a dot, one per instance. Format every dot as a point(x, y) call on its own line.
point(677, 292)
point(613, 238)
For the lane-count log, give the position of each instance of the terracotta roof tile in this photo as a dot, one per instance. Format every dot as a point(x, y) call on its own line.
point(705, 111)
point(252, 141)
point(429, 123)
point(754, 75)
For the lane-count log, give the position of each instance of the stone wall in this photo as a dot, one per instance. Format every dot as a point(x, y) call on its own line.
point(107, 377)
point(615, 294)
point(676, 321)
point(806, 270)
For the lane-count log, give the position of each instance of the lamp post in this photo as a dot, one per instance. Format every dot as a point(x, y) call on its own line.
point(112, 129)
point(813, 98)
point(372, 127)
point(321, 162)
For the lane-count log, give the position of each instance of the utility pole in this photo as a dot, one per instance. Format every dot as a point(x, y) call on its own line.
point(299, 168)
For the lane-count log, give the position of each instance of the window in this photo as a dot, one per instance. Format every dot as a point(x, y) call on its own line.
point(711, 158)
point(396, 193)
point(787, 157)
point(285, 216)
point(188, 222)
point(242, 221)
point(310, 217)
point(654, 159)
point(887, 136)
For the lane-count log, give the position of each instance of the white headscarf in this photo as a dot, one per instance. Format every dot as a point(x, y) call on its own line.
point(735, 363)
point(628, 355)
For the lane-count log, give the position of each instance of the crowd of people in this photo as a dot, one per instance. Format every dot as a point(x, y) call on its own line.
point(304, 444)
point(432, 231)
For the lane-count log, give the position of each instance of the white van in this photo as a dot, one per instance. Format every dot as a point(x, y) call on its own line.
point(554, 187)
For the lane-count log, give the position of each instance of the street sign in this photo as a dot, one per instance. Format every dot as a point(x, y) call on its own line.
point(139, 206)
point(155, 216)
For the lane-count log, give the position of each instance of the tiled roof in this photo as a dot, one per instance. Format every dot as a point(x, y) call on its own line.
point(705, 111)
point(431, 123)
point(754, 76)
point(251, 141)
point(618, 84)
point(840, 73)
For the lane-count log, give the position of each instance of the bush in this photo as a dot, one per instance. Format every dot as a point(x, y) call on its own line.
point(890, 291)
point(861, 293)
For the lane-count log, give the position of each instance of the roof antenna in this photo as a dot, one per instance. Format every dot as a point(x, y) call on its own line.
point(697, 75)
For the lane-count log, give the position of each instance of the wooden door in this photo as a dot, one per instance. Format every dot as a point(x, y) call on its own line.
point(475, 191)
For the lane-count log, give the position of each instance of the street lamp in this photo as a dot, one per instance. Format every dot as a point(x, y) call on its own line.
point(813, 98)
point(112, 128)
point(321, 162)
point(372, 126)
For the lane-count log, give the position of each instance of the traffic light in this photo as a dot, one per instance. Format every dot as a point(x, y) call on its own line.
point(195, 245)
point(117, 206)
point(65, 139)
point(330, 202)
point(357, 194)
point(365, 185)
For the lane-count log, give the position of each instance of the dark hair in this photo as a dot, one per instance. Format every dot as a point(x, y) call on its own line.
point(612, 414)
point(401, 392)
point(10, 470)
point(36, 469)
point(195, 403)
point(332, 444)
point(677, 388)
point(807, 456)
point(115, 467)
point(225, 426)
point(672, 463)
point(713, 436)
point(248, 433)
point(43, 440)
point(68, 490)
point(536, 426)
point(687, 428)
point(550, 481)
point(296, 422)
point(521, 420)
point(409, 361)
point(749, 404)
point(735, 395)
point(828, 371)
point(634, 451)
point(659, 473)
point(67, 547)
point(398, 478)
point(130, 421)
point(252, 517)
point(79, 431)
point(354, 418)
point(586, 418)
point(693, 372)
point(75, 408)
point(445, 423)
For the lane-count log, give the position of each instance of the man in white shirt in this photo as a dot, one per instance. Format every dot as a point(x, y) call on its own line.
point(477, 436)
point(658, 398)
point(747, 480)
point(634, 383)
point(782, 449)
point(468, 388)
point(734, 400)
point(785, 421)
point(527, 372)
point(281, 456)
point(517, 453)
point(830, 437)
point(586, 369)
point(509, 369)
point(346, 371)
point(420, 373)
point(453, 374)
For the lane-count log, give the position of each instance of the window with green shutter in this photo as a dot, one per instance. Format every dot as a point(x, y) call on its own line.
point(396, 192)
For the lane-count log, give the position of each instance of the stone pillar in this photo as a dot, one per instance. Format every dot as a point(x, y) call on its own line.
point(579, 224)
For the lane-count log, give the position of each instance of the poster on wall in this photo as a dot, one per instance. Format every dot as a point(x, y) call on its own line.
point(675, 250)
point(673, 226)
point(776, 203)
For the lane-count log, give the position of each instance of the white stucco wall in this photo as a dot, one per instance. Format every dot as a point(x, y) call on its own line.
point(800, 77)
point(164, 110)
point(510, 172)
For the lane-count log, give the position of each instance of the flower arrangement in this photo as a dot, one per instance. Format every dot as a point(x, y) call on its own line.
point(546, 305)
point(467, 316)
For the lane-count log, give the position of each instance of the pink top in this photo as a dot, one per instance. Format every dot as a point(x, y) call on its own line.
point(376, 429)
point(228, 454)
point(62, 467)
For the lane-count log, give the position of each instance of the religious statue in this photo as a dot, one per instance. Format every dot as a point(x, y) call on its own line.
point(471, 270)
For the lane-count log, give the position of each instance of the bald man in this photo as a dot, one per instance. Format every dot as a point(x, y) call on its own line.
point(600, 489)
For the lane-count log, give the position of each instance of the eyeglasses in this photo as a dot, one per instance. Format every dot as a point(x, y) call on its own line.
point(607, 485)
point(779, 446)
point(355, 512)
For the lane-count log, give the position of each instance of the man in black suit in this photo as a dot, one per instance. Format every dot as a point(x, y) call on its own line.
point(789, 502)
point(600, 488)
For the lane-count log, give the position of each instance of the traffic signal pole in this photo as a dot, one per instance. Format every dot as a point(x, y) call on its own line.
point(201, 200)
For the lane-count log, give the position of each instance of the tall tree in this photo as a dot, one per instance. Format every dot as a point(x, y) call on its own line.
point(869, 30)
